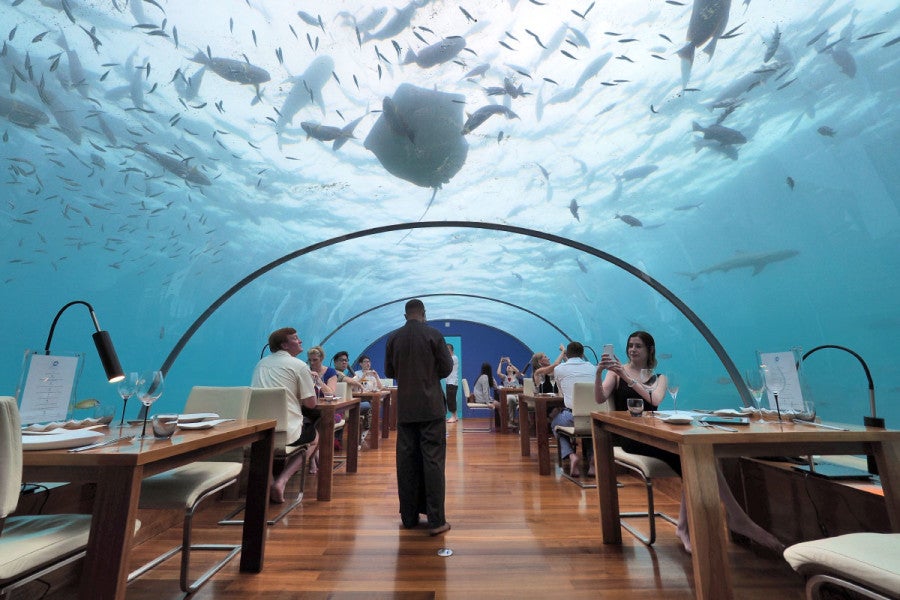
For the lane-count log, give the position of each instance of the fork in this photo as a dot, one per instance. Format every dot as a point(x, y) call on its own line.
point(714, 426)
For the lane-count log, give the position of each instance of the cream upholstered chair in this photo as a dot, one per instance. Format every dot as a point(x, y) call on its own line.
point(272, 403)
point(467, 393)
point(582, 404)
point(867, 564)
point(30, 546)
point(647, 469)
point(186, 487)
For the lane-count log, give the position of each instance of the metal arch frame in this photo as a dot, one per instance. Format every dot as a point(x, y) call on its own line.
point(436, 294)
point(627, 267)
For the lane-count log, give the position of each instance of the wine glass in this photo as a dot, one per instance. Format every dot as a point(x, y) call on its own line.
point(149, 389)
point(775, 382)
point(756, 385)
point(649, 380)
point(672, 387)
point(127, 388)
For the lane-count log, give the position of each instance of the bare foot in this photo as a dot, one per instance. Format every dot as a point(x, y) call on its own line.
point(276, 494)
point(573, 465)
point(452, 420)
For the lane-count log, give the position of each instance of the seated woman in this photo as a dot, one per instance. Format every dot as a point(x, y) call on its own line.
point(542, 369)
point(623, 381)
point(482, 391)
point(510, 377)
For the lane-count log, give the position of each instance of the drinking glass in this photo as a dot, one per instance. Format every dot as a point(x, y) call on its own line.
point(149, 389)
point(672, 387)
point(635, 406)
point(775, 382)
point(756, 385)
point(127, 388)
point(648, 380)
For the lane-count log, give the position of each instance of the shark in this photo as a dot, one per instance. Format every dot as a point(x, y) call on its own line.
point(757, 262)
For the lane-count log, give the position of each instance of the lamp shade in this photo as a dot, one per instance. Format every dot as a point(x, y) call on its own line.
point(108, 356)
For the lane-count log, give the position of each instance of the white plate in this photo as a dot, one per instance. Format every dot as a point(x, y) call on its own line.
point(65, 439)
point(677, 420)
point(195, 417)
point(728, 412)
point(202, 424)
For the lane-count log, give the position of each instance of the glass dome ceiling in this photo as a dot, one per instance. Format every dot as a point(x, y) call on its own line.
point(157, 153)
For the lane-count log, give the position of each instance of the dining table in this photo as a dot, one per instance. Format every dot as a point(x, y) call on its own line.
point(327, 409)
point(378, 399)
point(392, 409)
point(538, 405)
point(503, 394)
point(701, 447)
point(118, 470)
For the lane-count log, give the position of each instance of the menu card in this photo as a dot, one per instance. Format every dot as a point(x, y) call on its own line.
point(791, 397)
point(49, 382)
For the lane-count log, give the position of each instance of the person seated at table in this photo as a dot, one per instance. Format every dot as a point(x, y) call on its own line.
point(574, 370)
point(542, 368)
point(326, 379)
point(482, 391)
point(510, 377)
point(341, 360)
point(368, 376)
point(282, 369)
point(623, 381)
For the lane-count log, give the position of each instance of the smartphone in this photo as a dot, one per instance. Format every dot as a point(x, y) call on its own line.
point(608, 349)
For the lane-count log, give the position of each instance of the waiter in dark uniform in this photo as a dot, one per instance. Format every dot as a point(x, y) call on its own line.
point(416, 356)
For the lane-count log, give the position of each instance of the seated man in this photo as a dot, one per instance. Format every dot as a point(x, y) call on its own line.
point(574, 370)
point(342, 366)
point(283, 369)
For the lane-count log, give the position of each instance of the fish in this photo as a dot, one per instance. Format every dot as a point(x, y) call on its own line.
point(395, 25)
point(478, 71)
point(437, 53)
point(790, 181)
point(179, 167)
point(327, 133)
point(756, 262)
point(724, 135)
point(845, 61)
point(637, 173)
point(189, 87)
point(772, 45)
point(708, 20)
point(234, 70)
point(592, 69)
point(395, 120)
point(469, 17)
point(727, 150)
point(573, 208)
point(826, 131)
point(632, 221)
point(482, 114)
point(536, 38)
point(22, 114)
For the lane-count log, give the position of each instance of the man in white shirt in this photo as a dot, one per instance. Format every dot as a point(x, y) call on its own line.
point(574, 370)
point(282, 369)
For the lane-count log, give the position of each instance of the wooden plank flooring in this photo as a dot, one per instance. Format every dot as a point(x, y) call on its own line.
point(514, 535)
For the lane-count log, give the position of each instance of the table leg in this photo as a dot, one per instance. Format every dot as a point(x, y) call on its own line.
point(706, 521)
point(887, 457)
point(540, 431)
point(607, 488)
point(525, 429)
point(253, 537)
point(385, 421)
point(351, 438)
point(376, 422)
point(504, 411)
point(326, 452)
point(105, 570)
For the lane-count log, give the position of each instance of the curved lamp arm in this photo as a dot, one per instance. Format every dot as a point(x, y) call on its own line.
point(102, 341)
point(864, 366)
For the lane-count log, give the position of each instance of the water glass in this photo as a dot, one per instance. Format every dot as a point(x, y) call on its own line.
point(164, 426)
point(635, 406)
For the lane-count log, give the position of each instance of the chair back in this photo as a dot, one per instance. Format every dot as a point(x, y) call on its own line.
point(342, 390)
point(227, 402)
point(10, 456)
point(582, 404)
point(387, 382)
point(528, 386)
point(466, 392)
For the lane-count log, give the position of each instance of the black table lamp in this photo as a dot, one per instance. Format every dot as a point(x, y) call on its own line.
point(868, 421)
point(102, 341)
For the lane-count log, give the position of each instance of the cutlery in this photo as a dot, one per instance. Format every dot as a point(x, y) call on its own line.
point(101, 444)
point(714, 426)
point(822, 425)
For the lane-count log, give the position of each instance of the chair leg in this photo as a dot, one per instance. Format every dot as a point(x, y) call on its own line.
point(817, 582)
point(650, 514)
point(186, 548)
point(230, 520)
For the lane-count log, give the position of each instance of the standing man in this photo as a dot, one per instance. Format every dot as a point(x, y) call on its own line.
point(417, 357)
point(452, 378)
point(283, 369)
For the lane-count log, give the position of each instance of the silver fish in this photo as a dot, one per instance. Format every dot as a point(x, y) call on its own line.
point(327, 133)
point(437, 53)
point(482, 114)
point(233, 70)
point(757, 262)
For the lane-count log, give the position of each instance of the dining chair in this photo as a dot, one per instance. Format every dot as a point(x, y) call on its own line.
point(30, 546)
point(272, 403)
point(582, 404)
point(865, 564)
point(467, 393)
point(646, 468)
point(186, 487)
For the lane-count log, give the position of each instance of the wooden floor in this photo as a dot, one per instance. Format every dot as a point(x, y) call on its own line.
point(514, 535)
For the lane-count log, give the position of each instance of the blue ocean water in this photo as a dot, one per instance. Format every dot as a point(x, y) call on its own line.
point(155, 156)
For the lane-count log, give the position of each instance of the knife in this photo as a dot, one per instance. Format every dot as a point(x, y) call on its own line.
point(822, 425)
point(101, 444)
